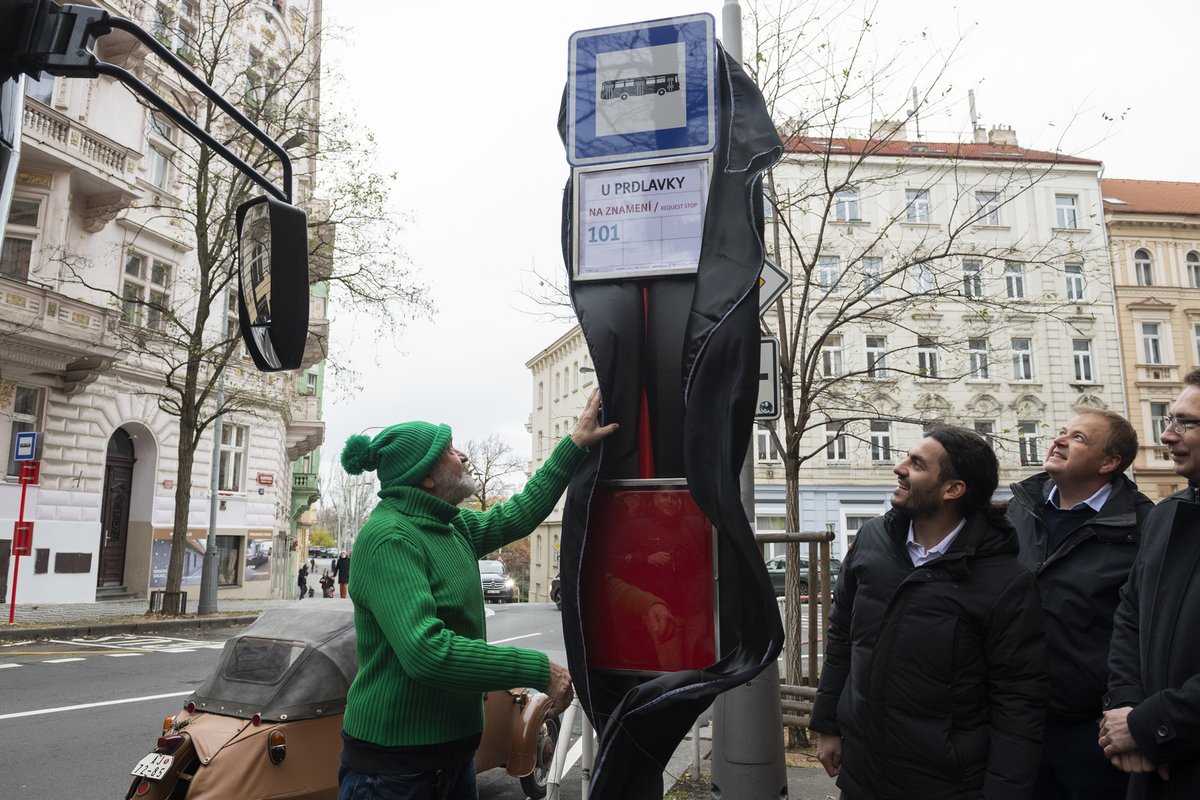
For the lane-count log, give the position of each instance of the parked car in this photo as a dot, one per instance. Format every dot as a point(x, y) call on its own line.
point(556, 591)
point(497, 584)
point(777, 569)
point(267, 720)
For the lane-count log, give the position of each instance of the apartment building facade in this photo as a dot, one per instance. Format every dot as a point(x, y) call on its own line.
point(1154, 238)
point(563, 378)
point(96, 265)
point(965, 283)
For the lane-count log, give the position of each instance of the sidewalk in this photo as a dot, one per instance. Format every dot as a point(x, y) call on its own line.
point(40, 621)
point(806, 779)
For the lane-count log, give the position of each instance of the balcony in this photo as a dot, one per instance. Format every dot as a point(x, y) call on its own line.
point(305, 431)
point(317, 346)
point(52, 333)
point(103, 171)
point(303, 482)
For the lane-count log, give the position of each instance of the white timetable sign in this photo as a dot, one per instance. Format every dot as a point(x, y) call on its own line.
point(640, 221)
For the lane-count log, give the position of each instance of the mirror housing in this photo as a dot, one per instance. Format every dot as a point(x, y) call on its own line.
point(12, 104)
point(273, 282)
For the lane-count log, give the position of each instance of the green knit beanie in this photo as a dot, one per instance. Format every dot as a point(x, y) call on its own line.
point(403, 454)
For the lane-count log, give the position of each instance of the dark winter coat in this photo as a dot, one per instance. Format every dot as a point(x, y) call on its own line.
point(1079, 583)
point(1154, 662)
point(935, 676)
point(342, 568)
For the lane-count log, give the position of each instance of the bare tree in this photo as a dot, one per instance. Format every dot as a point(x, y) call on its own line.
point(345, 505)
point(175, 328)
point(492, 460)
point(889, 309)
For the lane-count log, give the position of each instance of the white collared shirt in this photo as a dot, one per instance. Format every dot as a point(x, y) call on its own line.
point(1095, 502)
point(920, 556)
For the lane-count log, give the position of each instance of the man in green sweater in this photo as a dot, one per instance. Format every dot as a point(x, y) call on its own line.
point(414, 714)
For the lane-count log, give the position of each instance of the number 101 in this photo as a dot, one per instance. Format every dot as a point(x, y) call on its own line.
point(602, 233)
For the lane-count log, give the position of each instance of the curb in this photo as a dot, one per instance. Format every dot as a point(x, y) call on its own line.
point(18, 634)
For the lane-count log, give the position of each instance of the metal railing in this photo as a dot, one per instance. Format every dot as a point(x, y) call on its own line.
point(802, 669)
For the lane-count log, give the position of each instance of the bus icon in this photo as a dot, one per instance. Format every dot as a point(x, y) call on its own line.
point(624, 88)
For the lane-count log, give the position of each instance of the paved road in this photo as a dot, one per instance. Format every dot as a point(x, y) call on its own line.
point(76, 715)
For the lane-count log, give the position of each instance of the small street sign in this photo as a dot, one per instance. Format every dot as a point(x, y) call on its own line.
point(642, 90)
point(22, 542)
point(769, 396)
point(26, 447)
point(772, 283)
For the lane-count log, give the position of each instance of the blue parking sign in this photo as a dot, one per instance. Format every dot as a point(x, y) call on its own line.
point(26, 446)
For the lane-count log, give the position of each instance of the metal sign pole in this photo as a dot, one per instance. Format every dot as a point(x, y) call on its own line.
point(747, 756)
point(22, 534)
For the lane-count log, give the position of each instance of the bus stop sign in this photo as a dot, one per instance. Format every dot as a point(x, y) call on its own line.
point(642, 90)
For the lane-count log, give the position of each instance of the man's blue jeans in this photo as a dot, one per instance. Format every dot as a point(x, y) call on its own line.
point(454, 783)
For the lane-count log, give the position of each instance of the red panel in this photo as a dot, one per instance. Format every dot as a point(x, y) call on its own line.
point(29, 472)
point(647, 583)
point(22, 543)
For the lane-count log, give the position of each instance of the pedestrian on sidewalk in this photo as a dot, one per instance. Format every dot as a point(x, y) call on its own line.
point(1079, 524)
point(935, 681)
point(302, 580)
point(342, 568)
point(326, 584)
point(414, 713)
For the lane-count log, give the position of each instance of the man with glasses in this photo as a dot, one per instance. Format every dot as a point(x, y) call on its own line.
point(1151, 725)
point(1078, 524)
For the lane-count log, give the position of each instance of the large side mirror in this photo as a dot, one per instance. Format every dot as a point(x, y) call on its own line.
point(273, 282)
point(12, 103)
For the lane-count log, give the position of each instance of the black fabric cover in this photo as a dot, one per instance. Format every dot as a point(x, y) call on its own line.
point(700, 373)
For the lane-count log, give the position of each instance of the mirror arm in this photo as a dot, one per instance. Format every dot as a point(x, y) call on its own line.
point(176, 63)
point(185, 122)
point(61, 40)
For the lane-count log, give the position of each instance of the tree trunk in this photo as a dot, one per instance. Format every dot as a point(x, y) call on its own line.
point(183, 497)
point(797, 736)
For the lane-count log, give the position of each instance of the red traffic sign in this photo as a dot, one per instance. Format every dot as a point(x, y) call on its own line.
point(30, 471)
point(22, 543)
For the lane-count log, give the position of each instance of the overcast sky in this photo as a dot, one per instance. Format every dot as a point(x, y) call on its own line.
point(463, 99)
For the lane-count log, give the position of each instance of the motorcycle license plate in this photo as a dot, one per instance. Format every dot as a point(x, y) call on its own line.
point(153, 766)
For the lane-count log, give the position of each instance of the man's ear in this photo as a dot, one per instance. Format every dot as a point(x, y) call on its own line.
point(1110, 465)
point(954, 490)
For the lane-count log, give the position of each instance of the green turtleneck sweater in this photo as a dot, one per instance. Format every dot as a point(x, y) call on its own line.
point(423, 656)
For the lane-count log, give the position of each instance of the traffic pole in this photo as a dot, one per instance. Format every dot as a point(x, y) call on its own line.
point(747, 745)
point(22, 533)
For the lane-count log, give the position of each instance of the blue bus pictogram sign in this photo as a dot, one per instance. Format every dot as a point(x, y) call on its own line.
point(642, 90)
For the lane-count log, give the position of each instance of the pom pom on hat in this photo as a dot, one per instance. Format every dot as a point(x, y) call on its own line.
point(357, 456)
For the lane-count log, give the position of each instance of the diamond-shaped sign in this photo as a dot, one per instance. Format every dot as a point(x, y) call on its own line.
point(772, 283)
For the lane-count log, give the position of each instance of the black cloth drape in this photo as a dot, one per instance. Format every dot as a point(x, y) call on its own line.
point(700, 373)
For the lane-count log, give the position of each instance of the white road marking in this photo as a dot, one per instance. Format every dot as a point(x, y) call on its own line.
point(8, 666)
point(93, 705)
point(61, 660)
point(121, 655)
point(514, 638)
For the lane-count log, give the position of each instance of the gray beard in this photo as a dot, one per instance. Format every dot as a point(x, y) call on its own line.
point(450, 488)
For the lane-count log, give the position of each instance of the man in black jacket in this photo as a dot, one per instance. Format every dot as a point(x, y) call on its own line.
point(935, 678)
point(1151, 724)
point(1078, 525)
